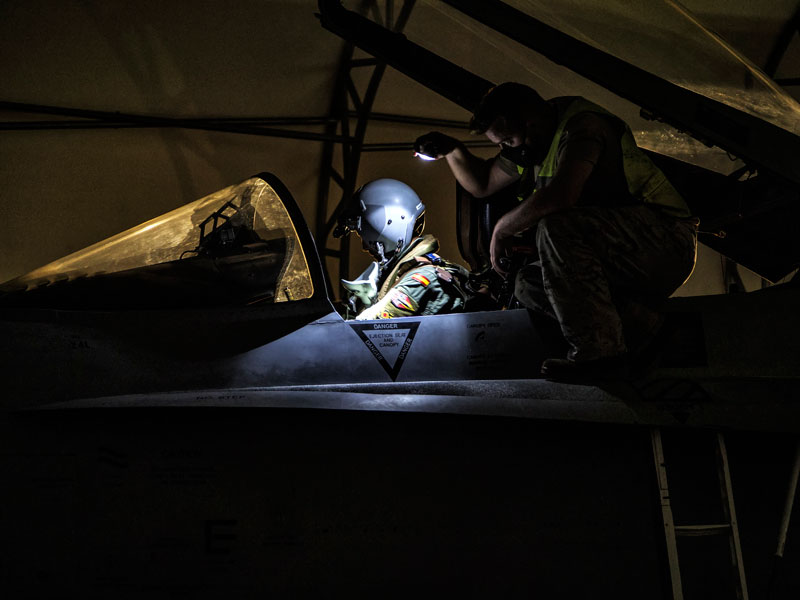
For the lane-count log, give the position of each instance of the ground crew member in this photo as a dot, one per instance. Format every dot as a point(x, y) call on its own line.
point(614, 237)
point(407, 278)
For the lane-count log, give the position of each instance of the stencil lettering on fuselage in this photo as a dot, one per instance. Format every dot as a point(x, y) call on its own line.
point(388, 341)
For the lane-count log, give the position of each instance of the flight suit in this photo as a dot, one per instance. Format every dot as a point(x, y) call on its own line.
point(421, 283)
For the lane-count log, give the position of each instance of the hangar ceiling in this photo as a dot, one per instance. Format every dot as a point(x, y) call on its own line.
point(63, 189)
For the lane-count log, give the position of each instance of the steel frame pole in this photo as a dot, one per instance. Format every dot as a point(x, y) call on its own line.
point(782, 43)
point(347, 103)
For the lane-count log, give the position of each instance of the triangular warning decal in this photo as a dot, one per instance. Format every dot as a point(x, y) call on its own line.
point(389, 341)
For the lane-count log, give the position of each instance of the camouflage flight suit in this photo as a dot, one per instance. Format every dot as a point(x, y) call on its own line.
point(626, 246)
point(421, 283)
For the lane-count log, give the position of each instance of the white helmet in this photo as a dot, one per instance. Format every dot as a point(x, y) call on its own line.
point(391, 215)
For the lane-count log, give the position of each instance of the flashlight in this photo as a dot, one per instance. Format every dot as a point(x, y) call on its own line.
point(422, 156)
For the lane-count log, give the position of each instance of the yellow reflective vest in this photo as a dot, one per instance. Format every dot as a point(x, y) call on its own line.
point(646, 182)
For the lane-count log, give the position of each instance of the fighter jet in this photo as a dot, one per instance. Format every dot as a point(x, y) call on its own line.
point(224, 303)
point(226, 297)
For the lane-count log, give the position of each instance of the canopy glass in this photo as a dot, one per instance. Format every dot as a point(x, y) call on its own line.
point(237, 246)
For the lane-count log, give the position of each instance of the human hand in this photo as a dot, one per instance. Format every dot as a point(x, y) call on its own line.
point(500, 250)
point(434, 145)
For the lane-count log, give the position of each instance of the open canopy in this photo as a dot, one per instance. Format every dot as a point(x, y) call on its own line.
point(238, 246)
point(627, 49)
point(663, 38)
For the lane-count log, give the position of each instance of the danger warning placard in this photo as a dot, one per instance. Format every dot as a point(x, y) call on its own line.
point(388, 341)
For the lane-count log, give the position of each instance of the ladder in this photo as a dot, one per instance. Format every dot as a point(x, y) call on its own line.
point(728, 527)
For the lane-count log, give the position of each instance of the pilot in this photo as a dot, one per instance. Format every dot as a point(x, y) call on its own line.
point(408, 277)
point(613, 238)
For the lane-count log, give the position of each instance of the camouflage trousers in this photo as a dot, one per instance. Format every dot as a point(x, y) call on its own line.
point(602, 272)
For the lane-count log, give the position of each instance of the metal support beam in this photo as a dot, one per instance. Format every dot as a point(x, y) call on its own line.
point(447, 79)
point(782, 43)
point(410, 120)
point(98, 119)
point(346, 104)
point(399, 146)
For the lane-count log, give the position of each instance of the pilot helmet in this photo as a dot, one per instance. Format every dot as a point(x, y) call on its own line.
point(391, 216)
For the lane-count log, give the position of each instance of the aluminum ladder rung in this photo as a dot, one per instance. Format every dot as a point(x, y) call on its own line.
point(700, 530)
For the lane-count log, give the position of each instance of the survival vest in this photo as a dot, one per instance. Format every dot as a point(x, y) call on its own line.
point(422, 252)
